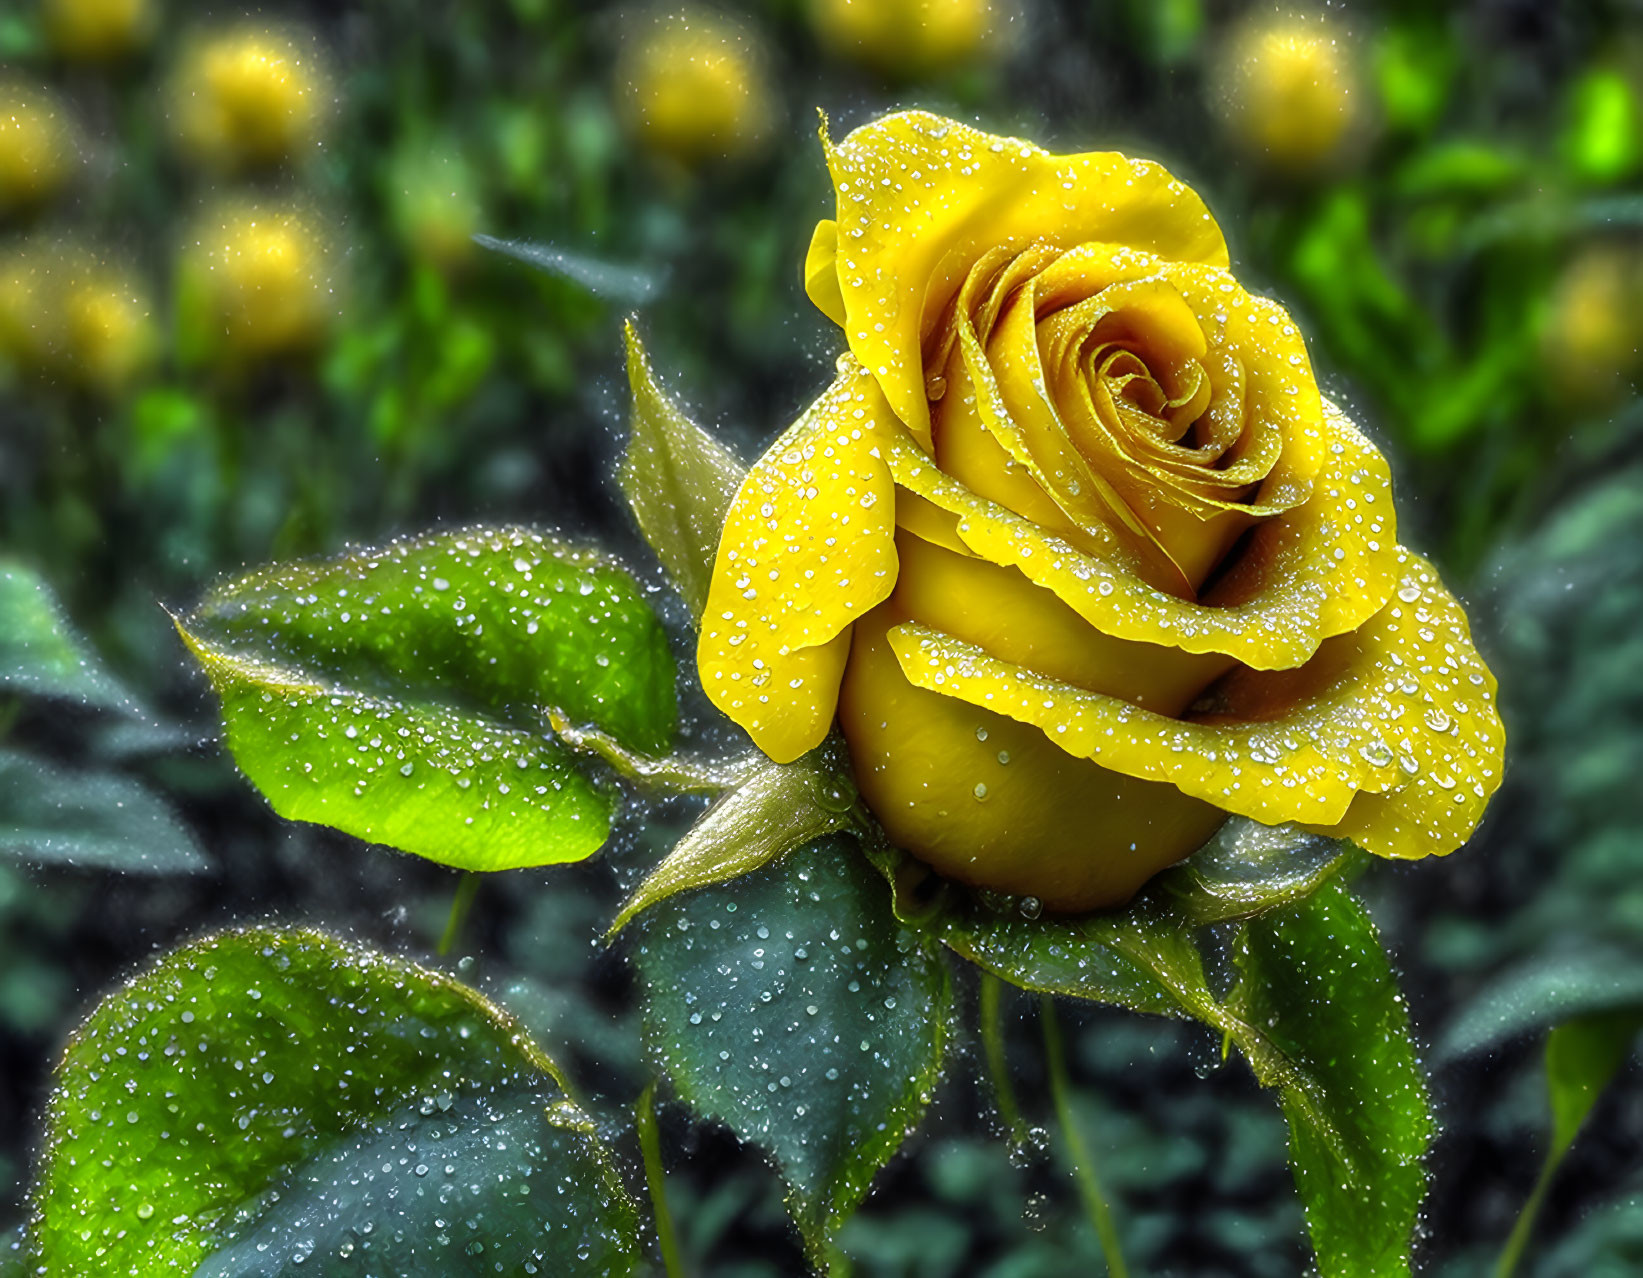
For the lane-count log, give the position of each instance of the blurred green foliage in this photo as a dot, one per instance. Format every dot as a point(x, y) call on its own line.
point(1432, 264)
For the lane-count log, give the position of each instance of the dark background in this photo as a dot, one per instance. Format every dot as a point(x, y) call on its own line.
point(1465, 264)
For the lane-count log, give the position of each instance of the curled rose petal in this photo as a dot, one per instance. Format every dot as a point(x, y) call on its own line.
point(807, 547)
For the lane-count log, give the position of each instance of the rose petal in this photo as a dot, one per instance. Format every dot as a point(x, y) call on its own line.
point(808, 546)
point(1402, 711)
point(921, 198)
point(1315, 571)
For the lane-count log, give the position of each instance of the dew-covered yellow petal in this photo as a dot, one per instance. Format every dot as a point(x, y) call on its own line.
point(991, 802)
point(1439, 717)
point(821, 279)
point(1389, 736)
point(1315, 571)
point(921, 198)
point(808, 546)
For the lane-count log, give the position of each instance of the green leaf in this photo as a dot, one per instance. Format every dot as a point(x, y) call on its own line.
point(792, 1007)
point(1582, 1058)
point(678, 479)
point(1247, 867)
point(96, 820)
point(266, 1098)
point(630, 285)
point(40, 654)
point(402, 694)
point(1316, 981)
point(1143, 957)
point(1544, 992)
point(775, 808)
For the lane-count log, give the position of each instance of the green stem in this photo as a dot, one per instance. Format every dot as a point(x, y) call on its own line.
point(998, 1066)
point(1083, 1165)
point(1525, 1226)
point(466, 889)
point(650, 1145)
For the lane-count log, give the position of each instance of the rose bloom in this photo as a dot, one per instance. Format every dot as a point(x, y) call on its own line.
point(693, 87)
point(1073, 547)
point(904, 37)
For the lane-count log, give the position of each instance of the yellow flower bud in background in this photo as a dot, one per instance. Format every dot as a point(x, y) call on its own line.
point(1590, 342)
point(1290, 90)
point(246, 98)
point(67, 315)
point(436, 209)
point(38, 147)
point(97, 30)
point(256, 280)
point(693, 87)
point(26, 338)
point(904, 38)
point(110, 337)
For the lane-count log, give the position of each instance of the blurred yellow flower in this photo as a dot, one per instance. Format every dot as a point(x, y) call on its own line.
point(904, 38)
point(1074, 547)
point(67, 314)
point(249, 97)
point(1291, 90)
point(110, 337)
point(257, 279)
point(97, 30)
point(38, 147)
point(693, 87)
point(1594, 328)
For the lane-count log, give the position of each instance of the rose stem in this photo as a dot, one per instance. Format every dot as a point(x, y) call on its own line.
point(650, 1144)
point(1083, 1164)
point(466, 889)
point(998, 1067)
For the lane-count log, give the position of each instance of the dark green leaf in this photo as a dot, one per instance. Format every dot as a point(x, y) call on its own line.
point(678, 479)
point(1543, 992)
point(402, 694)
point(93, 819)
point(1317, 983)
point(793, 1008)
point(40, 655)
point(266, 1098)
point(626, 284)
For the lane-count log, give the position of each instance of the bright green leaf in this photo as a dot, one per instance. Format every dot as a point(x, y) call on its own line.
point(1317, 984)
point(40, 655)
point(95, 820)
point(402, 694)
point(678, 479)
point(266, 1098)
point(1604, 137)
point(1582, 1058)
point(793, 1008)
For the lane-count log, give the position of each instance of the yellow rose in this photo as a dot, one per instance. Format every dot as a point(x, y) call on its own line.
point(1291, 90)
point(38, 149)
point(258, 279)
point(904, 37)
point(97, 30)
point(1592, 339)
point(249, 97)
point(1074, 548)
point(693, 87)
